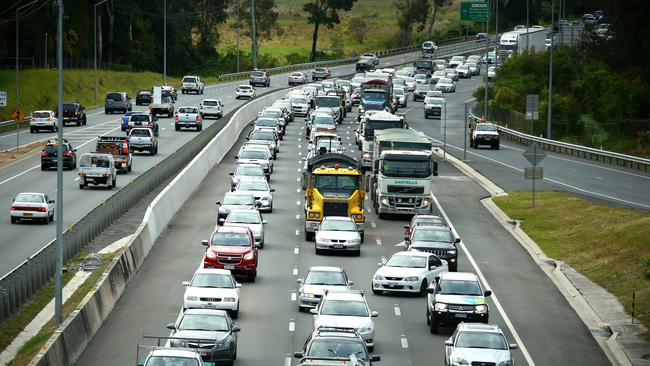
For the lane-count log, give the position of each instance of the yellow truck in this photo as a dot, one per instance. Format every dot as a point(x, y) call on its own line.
point(334, 185)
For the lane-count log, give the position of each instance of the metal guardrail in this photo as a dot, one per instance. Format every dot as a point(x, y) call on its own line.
point(579, 151)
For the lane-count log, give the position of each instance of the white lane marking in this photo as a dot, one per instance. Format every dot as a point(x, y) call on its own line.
point(372, 223)
point(299, 146)
point(297, 203)
point(295, 271)
point(296, 250)
point(298, 190)
point(494, 297)
point(19, 174)
point(294, 296)
point(76, 179)
point(292, 325)
point(163, 129)
point(378, 241)
point(405, 342)
point(398, 312)
point(287, 361)
point(299, 170)
point(297, 217)
point(298, 179)
point(600, 178)
point(297, 231)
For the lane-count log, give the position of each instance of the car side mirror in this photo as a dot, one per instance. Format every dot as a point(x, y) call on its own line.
point(487, 293)
point(449, 343)
point(407, 238)
point(74, 150)
point(350, 283)
point(457, 240)
point(51, 201)
point(236, 157)
point(218, 202)
point(374, 314)
point(299, 281)
point(258, 204)
point(513, 346)
point(222, 220)
point(297, 354)
point(430, 290)
point(313, 311)
point(238, 285)
point(204, 243)
point(272, 190)
point(231, 173)
point(375, 358)
point(258, 245)
point(235, 329)
point(264, 222)
point(171, 326)
point(185, 283)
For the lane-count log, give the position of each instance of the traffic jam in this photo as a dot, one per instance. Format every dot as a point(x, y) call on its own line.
point(388, 172)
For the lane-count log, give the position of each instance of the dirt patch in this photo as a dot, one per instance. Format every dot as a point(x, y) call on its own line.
point(9, 156)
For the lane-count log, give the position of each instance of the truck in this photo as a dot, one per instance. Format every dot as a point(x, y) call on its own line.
point(376, 93)
point(517, 41)
point(119, 147)
point(370, 122)
point(97, 169)
point(402, 169)
point(334, 185)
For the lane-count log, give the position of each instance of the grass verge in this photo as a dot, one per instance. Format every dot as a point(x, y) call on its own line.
point(607, 244)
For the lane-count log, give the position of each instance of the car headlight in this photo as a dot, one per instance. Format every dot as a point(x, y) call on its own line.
point(357, 217)
point(210, 255)
point(384, 201)
point(248, 256)
point(264, 198)
point(425, 202)
point(178, 343)
point(308, 296)
point(367, 156)
point(505, 363)
point(222, 345)
point(480, 309)
point(439, 306)
point(411, 279)
point(367, 328)
point(379, 277)
point(314, 214)
point(192, 298)
point(451, 252)
point(353, 241)
point(228, 299)
point(459, 361)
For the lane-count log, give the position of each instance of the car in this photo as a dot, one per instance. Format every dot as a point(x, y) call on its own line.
point(589, 19)
point(260, 190)
point(43, 120)
point(423, 219)
point(340, 342)
point(519, 27)
point(144, 97)
point(338, 233)
point(259, 77)
point(484, 134)
point(245, 91)
point(455, 61)
point(233, 248)
point(117, 101)
point(446, 85)
point(276, 114)
point(143, 139)
point(211, 108)
point(126, 116)
point(268, 137)
point(188, 117)
point(286, 107)
point(437, 75)
point(420, 91)
point(246, 171)
point(214, 327)
point(50, 152)
point(297, 78)
point(456, 297)
point(168, 91)
point(401, 96)
point(144, 120)
point(373, 57)
point(474, 69)
point(421, 79)
point(346, 308)
point(474, 59)
point(463, 71)
point(320, 73)
point(318, 280)
point(212, 288)
point(350, 360)
point(162, 355)
point(429, 47)
point(166, 107)
point(492, 72)
point(74, 113)
point(603, 30)
point(343, 84)
point(235, 200)
point(433, 107)
point(300, 104)
point(452, 74)
point(439, 240)
point(319, 120)
point(97, 169)
point(408, 271)
point(256, 155)
point(364, 64)
point(32, 206)
point(250, 219)
point(476, 343)
point(490, 58)
point(192, 84)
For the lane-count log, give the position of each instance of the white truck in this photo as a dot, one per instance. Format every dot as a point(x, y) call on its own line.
point(372, 121)
point(97, 169)
point(192, 84)
point(516, 42)
point(402, 170)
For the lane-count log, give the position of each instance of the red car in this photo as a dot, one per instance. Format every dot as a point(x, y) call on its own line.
point(233, 248)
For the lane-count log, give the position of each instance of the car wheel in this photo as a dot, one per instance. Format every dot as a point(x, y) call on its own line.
point(51, 217)
point(251, 277)
point(496, 146)
point(78, 123)
point(423, 287)
point(43, 167)
point(453, 267)
point(177, 127)
point(426, 116)
point(376, 292)
point(271, 209)
point(14, 220)
point(357, 253)
point(428, 317)
point(114, 184)
point(309, 236)
point(105, 111)
point(81, 186)
point(31, 130)
point(235, 313)
point(433, 327)
point(130, 167)
point(317, 251)
point(45, 221)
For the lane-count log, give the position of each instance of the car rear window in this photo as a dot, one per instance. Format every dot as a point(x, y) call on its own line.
point(257, 73)
point(40, 115)
point(144, 132)
point(210, 103)
point(189, 80)
point(69, 107)
point(145, 92)
point(117, 97)
point(188, 110)
point(54, 148)
point(139, 117)
point(27, 197)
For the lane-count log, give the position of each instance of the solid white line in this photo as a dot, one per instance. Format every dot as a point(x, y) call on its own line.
point(405, 342)
point(398, 312)
point(292, 325)
point(294, 296)
point(494, 298)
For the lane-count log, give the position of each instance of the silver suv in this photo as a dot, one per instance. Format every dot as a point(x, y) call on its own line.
point(478, 344)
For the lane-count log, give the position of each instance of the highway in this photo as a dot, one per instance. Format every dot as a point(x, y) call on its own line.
point(525, 304)
point(24, 175)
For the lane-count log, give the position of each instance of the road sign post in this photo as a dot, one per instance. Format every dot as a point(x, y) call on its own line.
point(18, 116)
point(532, 109)
point(534, 155)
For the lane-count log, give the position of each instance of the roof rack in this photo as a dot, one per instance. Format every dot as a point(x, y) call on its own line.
point(324, 328)
point(360, 292)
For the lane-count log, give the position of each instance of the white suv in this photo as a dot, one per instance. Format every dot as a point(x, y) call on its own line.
point(192, 83)
point(478, 344)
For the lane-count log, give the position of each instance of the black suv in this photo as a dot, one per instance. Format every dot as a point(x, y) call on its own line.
point(346, 341)
point(49, 155)
point(260, 77)
point(74, 113)
point(439, 240)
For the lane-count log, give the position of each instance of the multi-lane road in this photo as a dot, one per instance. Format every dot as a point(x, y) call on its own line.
point(532, 312)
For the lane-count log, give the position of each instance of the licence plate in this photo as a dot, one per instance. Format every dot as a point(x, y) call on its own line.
point(228, 266)
point(338, 246)
point(461, 315)
point(488, 138)
point(211, 306)
point(28, 215)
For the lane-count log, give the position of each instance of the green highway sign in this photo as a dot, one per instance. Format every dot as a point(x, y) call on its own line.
point(474, 11)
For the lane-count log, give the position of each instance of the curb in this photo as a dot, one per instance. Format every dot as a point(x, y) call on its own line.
point(552, 268)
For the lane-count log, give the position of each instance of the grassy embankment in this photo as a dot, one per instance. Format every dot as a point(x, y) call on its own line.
point(607, 244)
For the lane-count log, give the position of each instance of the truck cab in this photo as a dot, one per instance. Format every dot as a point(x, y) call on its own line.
point(371, 122)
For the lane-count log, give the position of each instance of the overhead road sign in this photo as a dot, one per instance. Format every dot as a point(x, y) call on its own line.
point(474, 11)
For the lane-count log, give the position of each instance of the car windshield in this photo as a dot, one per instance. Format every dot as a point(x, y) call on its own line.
point(420, 77)
point(41, 115)
point(439, 73)
point(139, 117)
point(266, 122)
point(31, 198)
point(459, 287)
point(427, 221)
point(323, 120)
point(141, 132)
point(329, 144)
point(253, 154)
point(486, 340)
point(215, 323)
point(457, 58)
point(188, 110)
point(257, 74)
point(344, 308)
point(327, 102)
point(238, 200)
point(357, 80)
point(244, 218)
point(422, 87)
point(426, 234)
point(253, 185)
point(330, 278)
point(210, 103)
point(398, 91)
point(409, 261)
point(424, 64)
point(273, 114)
point(486, 127)
point(213, 280)
point(336, 348)
point(431, 100)
point(296, 74)
point(189, 80)
point(251, 170)
point(298, 100)
point(329, 185)
point(69, 107)
point(374, 95)
point(343, 83)
point(262, 136)
point(338, 225)
point(171, 361)
point(470, 64)
point(231, 239)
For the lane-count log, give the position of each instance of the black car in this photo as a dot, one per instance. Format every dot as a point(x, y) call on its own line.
point(49, 155)
point(144, 97)
point(74, 113)
point(438, 240)
point(338, 340)
point(365, 64)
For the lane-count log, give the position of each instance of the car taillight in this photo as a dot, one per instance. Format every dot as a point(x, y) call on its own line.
point(176, 117)
point(43, 153)
point(13, 208)
point(67, 153)
point(50, 119)
point(41, 209)
point(82, 174)
point(198, 119)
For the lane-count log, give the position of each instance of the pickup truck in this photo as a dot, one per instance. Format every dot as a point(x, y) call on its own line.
point(188, 117)
point(118, 146)
point(143, 139)
point(97, 169)
point(166, 106)
point(143, 120)
point(193, 84)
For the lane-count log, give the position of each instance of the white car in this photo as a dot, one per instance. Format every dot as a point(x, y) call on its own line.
point(260, 190)
point(300, 104)
point(250, 219)
point(297, 77)
point(318, 280)
point(211, 108)
point(268, 124)
point(212, 288)
point(409, 83)
point(492, 72)
point(437, 75)
point(455, 61)
point(32, 206)
point(338, 233)
point(256, 155)
point(246, 171)
point(245, 91)
point(433, 107)
point(401, 96)
point(463, 71)
point(43, 120)
point(347, 310)
point(408, 271)
point(446, 85)
point(476, 343)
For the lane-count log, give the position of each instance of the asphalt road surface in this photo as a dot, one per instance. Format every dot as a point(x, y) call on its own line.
point(525, 304)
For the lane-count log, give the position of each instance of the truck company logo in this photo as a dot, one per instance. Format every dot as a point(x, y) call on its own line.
point(406, 182)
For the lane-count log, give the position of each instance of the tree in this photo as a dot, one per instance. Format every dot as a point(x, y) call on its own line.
point(411, 12)
point(434, 6)
point(265, 18)
point(324, 12)
point(357, 28)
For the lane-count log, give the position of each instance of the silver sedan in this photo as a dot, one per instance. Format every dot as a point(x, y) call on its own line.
point(260, 190)
point(338, 233)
